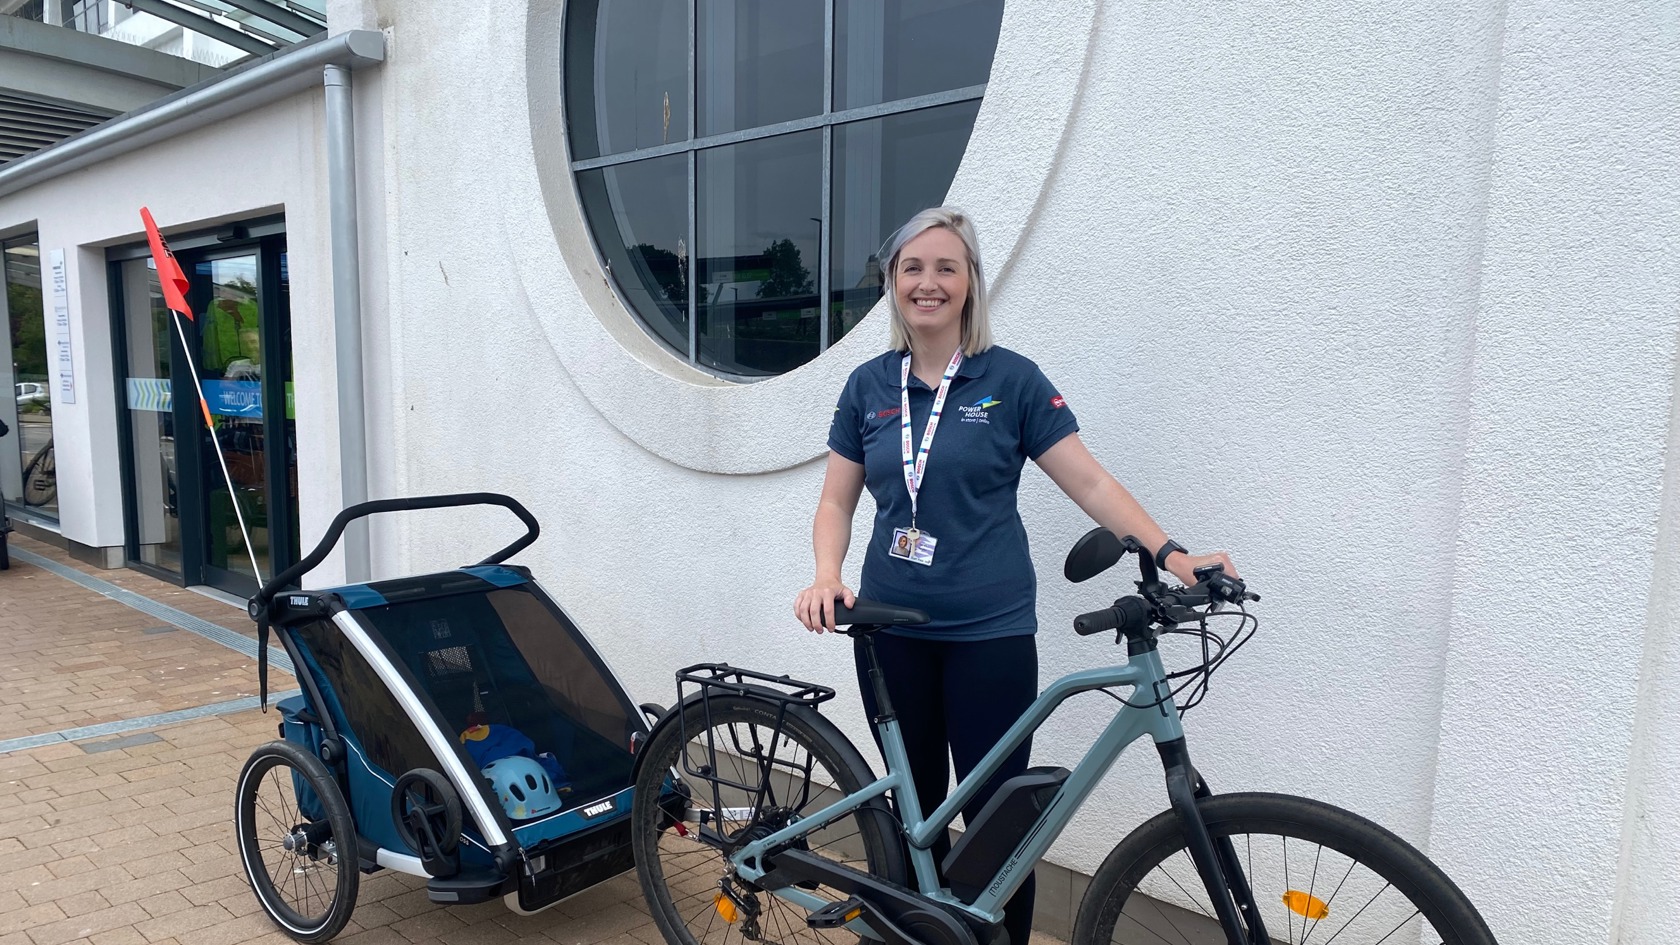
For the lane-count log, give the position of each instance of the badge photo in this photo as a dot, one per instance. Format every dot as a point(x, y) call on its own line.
point(913, 545)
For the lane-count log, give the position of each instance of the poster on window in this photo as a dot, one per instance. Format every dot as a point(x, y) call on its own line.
point(61, 321)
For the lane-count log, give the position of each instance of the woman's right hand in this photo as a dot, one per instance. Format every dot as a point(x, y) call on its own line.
point(815, 604)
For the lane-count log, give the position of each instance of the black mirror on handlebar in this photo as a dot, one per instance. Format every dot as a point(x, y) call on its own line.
point(1095, 552)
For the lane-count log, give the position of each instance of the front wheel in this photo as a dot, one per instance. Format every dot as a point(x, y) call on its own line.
point(297, 841)
point(683, 828)
point(1318, 874)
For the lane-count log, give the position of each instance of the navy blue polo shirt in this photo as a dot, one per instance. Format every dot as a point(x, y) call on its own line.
point(1001, 411)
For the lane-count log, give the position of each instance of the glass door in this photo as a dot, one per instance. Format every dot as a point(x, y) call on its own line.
point(31, 485)
point(149, 355)
point(194, 472)
point(231, 461)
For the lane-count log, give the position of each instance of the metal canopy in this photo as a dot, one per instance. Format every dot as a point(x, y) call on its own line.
point(199, 23)
point(34, 116)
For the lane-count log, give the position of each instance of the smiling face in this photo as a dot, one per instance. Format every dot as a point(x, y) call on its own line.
point(931, 283)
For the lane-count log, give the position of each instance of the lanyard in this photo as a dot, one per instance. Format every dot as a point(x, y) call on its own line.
point(913, 472)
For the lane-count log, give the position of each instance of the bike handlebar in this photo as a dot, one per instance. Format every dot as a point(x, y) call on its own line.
point(1128, 615)
point(1157, 602)
point(364, 509)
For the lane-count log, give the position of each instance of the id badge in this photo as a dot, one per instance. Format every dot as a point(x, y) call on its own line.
point(913, 545)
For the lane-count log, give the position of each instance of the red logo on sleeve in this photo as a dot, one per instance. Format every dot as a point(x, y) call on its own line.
point(1057, 402)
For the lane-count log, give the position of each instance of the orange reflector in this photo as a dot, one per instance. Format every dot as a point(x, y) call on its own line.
point(1302, 904)
point(854, 914)
point(726, 908)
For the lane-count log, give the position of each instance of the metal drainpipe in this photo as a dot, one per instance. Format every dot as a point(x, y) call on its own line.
point(347, 314)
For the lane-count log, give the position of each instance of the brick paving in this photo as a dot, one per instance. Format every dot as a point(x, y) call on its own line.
point(128, 839)
point(70, 657)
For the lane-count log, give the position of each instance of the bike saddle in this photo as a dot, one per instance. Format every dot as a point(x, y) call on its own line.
point(867, 615)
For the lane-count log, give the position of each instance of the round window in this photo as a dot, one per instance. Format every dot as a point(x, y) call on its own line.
point(740, 162)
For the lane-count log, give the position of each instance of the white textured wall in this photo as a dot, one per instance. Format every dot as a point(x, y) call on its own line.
point(1571, 390)
point(1380, 298)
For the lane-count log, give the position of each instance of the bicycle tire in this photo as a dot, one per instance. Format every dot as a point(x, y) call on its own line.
point(681, 871)
point(40, 481)
point(1403, 887)
point(270, 817)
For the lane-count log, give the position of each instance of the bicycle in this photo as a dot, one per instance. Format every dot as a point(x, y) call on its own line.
point(40, 477)
point(755, 817)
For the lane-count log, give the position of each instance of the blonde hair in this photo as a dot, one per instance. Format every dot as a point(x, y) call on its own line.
point(976, 319)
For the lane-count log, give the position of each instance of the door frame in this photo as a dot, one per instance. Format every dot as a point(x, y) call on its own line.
point(266, 239)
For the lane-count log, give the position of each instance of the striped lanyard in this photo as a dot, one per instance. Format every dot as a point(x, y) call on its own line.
point(913, 471)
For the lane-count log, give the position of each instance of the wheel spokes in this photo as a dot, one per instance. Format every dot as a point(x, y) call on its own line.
point(1353, 905)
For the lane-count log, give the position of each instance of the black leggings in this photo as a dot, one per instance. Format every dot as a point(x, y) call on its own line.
point(958, 697)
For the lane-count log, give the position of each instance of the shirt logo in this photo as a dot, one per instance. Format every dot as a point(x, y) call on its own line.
point(883, 414)
point(977, 412)
point(1057, 402)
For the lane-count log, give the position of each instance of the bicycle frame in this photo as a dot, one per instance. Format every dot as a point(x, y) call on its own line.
point(1146, 675)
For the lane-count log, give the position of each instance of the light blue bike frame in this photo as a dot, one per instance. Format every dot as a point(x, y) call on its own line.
point(1144, 673)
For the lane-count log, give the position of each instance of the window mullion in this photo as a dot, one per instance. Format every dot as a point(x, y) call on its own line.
point(693, 183)
point(823, 275)
point(931, 100)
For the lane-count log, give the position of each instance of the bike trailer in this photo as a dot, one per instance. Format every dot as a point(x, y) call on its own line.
point(454, 726)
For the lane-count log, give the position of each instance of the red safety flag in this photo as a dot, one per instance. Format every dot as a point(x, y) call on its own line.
point(169, 271)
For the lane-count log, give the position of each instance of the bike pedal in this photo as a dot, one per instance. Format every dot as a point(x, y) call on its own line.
point(835, 914)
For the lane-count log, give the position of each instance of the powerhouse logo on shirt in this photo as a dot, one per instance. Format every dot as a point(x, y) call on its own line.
point(977, 412)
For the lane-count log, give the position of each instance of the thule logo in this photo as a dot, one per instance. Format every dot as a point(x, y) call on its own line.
point(296, 601)
point(596, 810)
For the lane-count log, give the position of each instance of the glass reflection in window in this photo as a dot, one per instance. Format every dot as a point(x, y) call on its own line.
point(231, 366)
point(639, 213)
point(37, 483)
point(885, 170)
point(760, 211)
point(886, 50)
point(760, 62)
point(150, 401)
point(627, 79)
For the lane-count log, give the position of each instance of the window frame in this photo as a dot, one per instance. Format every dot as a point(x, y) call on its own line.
point(826, 120)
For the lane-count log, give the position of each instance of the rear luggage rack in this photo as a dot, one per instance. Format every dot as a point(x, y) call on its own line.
point(753, 751)
point(725, 678)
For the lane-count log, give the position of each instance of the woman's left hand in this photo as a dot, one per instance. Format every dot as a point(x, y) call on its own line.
point(1183, 565)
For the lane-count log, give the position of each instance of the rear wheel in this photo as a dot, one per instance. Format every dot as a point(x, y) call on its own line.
point(1318, 874)
point(297, 841)
point(683, 829)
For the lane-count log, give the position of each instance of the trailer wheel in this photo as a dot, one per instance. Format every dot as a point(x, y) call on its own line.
point(297, 841)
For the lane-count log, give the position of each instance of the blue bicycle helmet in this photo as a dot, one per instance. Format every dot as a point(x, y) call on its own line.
point(522, 786)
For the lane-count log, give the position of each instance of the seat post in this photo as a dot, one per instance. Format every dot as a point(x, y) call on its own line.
point(877, 680)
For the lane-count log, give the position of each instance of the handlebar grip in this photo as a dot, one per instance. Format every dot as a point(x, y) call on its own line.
point(1096, 621)
point(1127, 615)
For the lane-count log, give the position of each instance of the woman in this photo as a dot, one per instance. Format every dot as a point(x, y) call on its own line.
point(947, 537)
